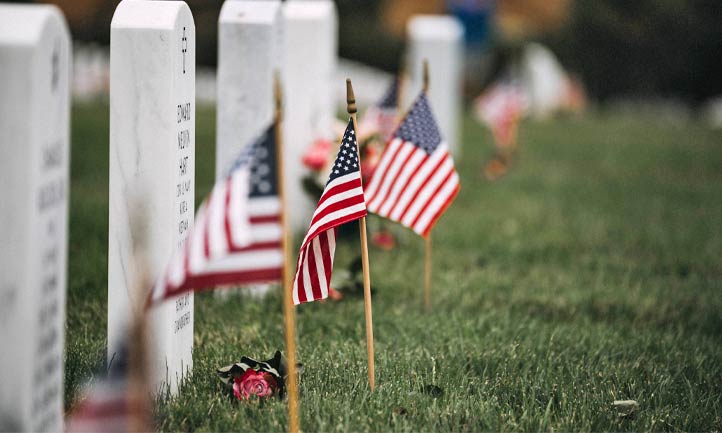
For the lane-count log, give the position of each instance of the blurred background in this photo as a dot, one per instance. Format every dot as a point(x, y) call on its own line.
point(617, 49)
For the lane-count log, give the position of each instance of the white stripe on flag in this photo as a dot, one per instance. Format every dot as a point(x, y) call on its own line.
point(424, 172)
point(240, 229)
point(416, 159)
point(383, 164)
point(436, 203)
point(316, 244)
point(246, 261)
point(391, 176)
point(424, 194)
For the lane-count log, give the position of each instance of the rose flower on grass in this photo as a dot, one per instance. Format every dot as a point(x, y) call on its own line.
point(251, 378)
point(254, 383)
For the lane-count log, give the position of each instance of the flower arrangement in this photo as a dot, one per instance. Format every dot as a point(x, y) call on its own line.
point(320, 154)
point(319, 157)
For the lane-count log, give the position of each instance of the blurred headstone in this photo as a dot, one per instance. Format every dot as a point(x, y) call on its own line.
point(152, 167)
point(545, 81)
point(439, 39)
point(35, 56)
point(310, 41)
point(249, 44)
point(249, 51)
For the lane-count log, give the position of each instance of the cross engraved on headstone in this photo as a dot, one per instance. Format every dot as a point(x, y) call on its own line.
point(184, 48)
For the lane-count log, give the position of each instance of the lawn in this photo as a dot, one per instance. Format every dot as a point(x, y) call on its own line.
point(591, 272)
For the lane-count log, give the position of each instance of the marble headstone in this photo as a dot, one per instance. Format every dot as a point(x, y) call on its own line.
point(35, 56)
point(249, 44)
point(439, 39)
point(152, 169)
point(310, 47)
point(249, 51)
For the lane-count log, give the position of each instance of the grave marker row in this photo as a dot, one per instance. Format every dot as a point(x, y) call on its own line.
point(152, 164)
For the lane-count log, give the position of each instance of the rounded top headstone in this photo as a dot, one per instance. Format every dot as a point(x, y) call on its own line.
point(311, 10)
point(250, 11)
point(148, 14)
point(26, 24)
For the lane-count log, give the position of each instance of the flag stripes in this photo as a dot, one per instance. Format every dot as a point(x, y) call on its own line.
point(342, 201)
point(237, 238)
point(415, 180)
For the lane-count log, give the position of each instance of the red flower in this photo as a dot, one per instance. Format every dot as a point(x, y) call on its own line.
point(252, 382)
point(384, 240)
point(318, 155)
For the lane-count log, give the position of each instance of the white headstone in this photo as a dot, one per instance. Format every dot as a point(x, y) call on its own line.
point(309, 63)
point(34, 141)
point(249, 45)
point(249, 52)
point(545, 80)
point(439, 39)
point(152, 168)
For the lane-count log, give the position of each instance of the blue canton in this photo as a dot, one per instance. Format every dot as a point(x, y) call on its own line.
point(419, 126)
point(260, 157)
point(390, 98)
point(347, 158)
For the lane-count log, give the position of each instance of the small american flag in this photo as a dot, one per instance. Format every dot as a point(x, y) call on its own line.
point(415, 180)
point(237, 236)
point(500, 108)
point(342, 201)
point(382, 116)
point(113, 403)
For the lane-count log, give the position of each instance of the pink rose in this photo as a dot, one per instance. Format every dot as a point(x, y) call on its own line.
point(258, 383)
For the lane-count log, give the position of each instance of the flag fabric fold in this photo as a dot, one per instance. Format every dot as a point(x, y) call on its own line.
point(342, 201)
point(415, 180)
point(237, 237)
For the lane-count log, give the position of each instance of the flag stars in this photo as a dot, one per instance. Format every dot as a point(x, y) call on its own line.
point(419, 127)
point(347, 159)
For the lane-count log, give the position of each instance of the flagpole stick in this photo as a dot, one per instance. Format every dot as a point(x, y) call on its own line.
point(288, 307)
point(427, 243)
point(427, 272)
point(351, 108)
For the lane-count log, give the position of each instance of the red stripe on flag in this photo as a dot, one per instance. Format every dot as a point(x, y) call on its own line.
point(441, 210)
point(236, 278)
point(423, 184)
point(386, 172)
point(264, 219)
point(432, 197)
point(339, 189)
point(406, 185)
point(338, 222)
point(327, 256)
point(300, 288)
point(395, 179)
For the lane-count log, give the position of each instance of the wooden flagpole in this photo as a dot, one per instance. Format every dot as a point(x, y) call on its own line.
point(288, 307)
point(351, 108)
point(427, 244)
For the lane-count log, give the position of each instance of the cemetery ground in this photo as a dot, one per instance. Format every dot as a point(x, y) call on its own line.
point(592, 272)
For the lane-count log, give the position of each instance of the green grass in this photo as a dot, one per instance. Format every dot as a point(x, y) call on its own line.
point(592, 272)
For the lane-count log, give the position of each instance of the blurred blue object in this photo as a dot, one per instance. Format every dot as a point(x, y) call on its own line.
point(476, 17)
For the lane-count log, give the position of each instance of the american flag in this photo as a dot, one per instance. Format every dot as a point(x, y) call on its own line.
point(237, 235)
point(383, 116)
point(415, 180)
point(500, 108)
point(117, 402)
point(342, 201)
